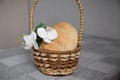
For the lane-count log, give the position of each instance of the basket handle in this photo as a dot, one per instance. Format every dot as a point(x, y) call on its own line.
point(81, 19)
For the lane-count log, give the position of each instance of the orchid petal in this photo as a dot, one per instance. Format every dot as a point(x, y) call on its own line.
point(47, 40)
point(42, 32)
point(30, 41)
point(27, 39)
point(35, 45)
point(27, 47)
point(33, 35)
point(52, 34)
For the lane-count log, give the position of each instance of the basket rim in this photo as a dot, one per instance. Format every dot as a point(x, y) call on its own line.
point(57, 52)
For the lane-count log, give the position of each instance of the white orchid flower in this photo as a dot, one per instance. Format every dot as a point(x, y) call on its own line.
point(30, 41)
point(47, 34)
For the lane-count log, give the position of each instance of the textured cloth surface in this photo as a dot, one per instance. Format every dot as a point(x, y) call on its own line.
point(99, 60)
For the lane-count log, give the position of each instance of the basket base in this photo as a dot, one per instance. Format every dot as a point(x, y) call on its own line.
point(56, 64)
point(57, 72)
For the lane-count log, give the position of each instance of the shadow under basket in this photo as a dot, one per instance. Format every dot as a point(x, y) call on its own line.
point(58, 62)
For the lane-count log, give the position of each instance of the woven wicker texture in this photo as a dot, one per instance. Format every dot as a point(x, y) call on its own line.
point(58, 62)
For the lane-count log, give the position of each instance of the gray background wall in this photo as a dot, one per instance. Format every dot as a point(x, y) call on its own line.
point(13, 21)
point(102, 17)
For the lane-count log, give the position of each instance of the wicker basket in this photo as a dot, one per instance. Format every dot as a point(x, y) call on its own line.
point(58, 62)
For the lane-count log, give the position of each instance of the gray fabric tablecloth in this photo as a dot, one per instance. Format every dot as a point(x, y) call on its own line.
point(99, 60)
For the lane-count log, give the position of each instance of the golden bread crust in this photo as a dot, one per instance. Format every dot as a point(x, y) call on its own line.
point(66, 40)
point(51, 46)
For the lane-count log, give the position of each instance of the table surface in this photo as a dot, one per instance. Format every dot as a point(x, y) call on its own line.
point(99, 60)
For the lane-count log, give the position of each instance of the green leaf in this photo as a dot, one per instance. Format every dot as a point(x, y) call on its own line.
point(39, 40)
point(41, 25)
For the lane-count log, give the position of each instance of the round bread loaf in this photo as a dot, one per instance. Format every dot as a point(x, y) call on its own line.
point(66, 39)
